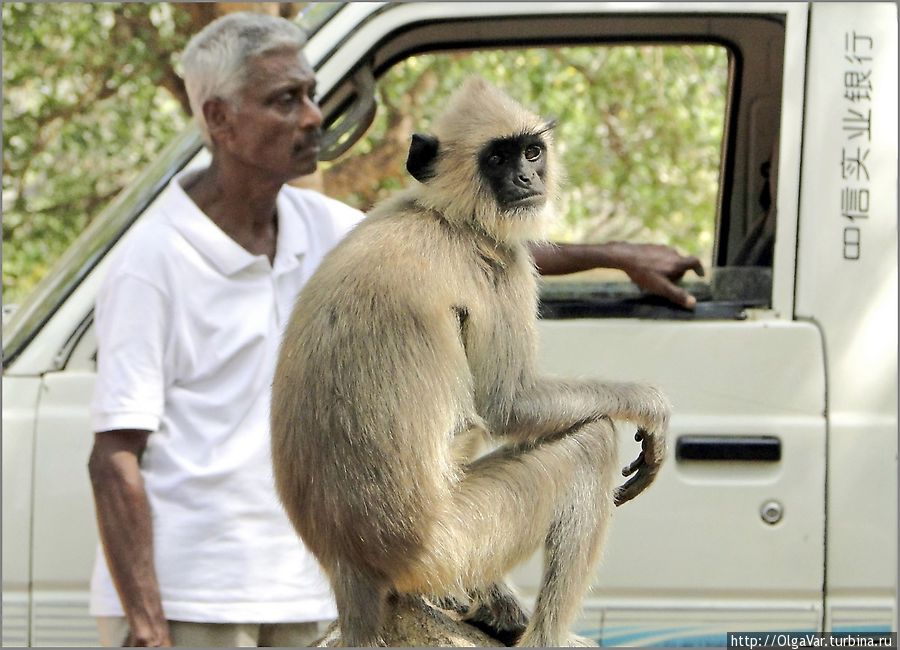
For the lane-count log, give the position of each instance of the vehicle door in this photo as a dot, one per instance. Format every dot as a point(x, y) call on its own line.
point(731, 536)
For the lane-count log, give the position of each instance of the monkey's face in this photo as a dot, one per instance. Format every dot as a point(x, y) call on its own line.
point(489, 163)
point(515, 170)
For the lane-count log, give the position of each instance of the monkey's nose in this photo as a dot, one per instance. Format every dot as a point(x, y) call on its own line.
point(523, 181)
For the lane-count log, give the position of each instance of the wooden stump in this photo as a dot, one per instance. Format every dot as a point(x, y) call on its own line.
point(415, 623)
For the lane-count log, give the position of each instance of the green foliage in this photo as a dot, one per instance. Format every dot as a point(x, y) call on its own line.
point(83, 111)
point(89, 99)
point(640, 130)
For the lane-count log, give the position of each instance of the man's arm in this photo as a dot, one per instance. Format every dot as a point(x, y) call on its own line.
point(126, 531)
point(653, 267)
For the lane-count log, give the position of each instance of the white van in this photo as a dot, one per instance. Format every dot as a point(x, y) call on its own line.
point(778, 508)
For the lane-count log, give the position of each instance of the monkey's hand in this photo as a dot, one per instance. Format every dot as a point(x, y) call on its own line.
point(644, 468)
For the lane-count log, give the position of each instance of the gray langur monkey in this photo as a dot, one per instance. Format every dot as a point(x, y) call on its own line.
point(416, 334)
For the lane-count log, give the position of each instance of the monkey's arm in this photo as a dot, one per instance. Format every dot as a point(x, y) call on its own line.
point(552, 408)
point(653, 267)
point(126, 530)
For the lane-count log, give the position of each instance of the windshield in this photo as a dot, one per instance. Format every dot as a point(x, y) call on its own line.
point(315, 14)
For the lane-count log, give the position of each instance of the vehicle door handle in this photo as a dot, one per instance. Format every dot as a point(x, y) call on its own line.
point(730, 448)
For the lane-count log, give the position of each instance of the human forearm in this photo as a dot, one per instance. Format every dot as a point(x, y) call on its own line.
point(653, 267)
point(126, 531)
point(557, 259)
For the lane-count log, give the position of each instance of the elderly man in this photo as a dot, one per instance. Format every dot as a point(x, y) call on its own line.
point(195, 547)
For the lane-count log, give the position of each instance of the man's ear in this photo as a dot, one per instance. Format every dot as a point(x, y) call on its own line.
point(423, 152)
point(217, 113)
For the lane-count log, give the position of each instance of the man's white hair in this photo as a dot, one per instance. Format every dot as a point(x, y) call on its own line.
point(214, 62)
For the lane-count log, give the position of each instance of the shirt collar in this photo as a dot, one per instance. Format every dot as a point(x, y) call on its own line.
point(222, 251)
point(293, 238)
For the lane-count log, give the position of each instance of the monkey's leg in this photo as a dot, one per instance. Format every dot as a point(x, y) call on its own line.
point(361, 601)
point(510, 502)
point(574, 540)
point(551, 405)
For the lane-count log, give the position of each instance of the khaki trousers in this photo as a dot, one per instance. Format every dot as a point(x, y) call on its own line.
point(113, 631)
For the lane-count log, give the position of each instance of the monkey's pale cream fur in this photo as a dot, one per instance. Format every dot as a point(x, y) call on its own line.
point(495, 116)
point(415, 336)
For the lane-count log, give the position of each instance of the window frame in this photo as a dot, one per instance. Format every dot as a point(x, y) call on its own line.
point(748, 62)
point(350, 40)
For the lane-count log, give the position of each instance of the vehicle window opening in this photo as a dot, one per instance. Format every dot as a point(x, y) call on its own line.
point(643, 131)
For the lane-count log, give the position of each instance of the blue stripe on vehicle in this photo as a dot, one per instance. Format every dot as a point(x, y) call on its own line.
point(618, 639)
point(862, 629)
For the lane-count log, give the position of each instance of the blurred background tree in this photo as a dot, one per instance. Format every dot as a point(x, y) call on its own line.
point(639, 129)
point(92, 93)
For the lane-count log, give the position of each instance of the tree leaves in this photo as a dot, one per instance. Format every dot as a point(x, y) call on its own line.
point(91, 94)
point(82, 114)
point(640, 129)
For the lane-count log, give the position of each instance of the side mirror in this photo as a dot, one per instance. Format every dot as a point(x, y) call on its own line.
point(355, 102)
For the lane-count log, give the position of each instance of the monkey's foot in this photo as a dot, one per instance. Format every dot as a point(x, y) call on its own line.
point(413, 623)
point(498, 614)
point(507, 627)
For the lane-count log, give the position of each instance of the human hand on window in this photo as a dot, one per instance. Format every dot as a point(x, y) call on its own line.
point(656, 268)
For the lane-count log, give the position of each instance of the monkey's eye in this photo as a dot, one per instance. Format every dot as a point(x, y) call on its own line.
point(495, 160)
point(533, 152)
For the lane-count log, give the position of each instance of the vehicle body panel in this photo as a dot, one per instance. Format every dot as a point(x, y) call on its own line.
point(854, 301)
point(696, 542)
point(691, 559)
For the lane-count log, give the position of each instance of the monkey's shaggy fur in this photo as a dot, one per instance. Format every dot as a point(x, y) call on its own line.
point(416, 338)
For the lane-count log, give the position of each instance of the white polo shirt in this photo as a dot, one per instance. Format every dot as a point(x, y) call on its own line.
point(188, 324)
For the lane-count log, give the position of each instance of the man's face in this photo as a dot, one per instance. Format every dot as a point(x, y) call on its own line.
point(275, 128)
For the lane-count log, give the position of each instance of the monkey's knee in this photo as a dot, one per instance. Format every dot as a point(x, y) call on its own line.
point(597, 445)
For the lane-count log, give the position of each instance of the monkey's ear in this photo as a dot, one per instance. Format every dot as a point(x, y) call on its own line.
point(423, 151)
point(550, 124)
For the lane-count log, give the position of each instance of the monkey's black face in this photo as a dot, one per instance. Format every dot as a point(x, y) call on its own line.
point(514, 169)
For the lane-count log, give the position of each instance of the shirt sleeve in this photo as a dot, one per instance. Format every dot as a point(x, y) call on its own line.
point(132, 322)
point(344, 218)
